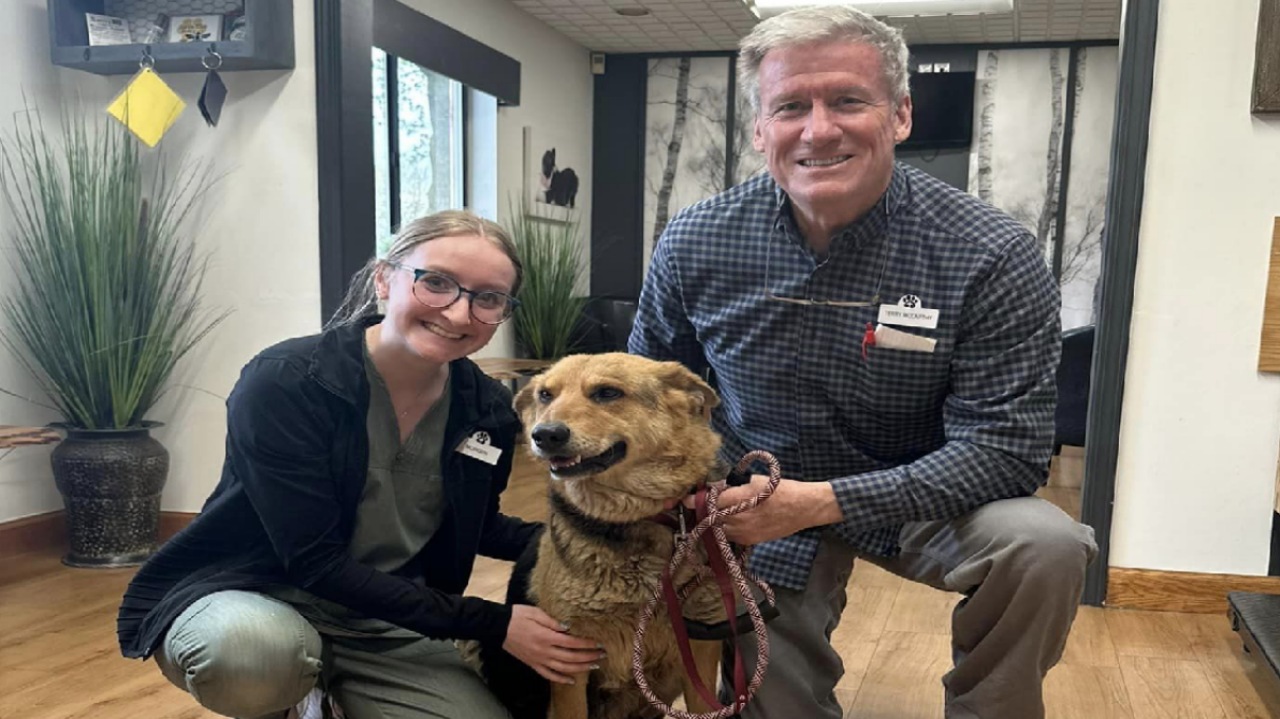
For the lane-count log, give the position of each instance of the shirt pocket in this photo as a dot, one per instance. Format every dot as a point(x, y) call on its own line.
point(904, 384)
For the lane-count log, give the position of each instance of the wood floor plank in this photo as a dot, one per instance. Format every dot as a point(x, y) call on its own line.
point(1090, 641)
point(904, 680)
point(1211, 636)
point(1161, 688)
point(13, 680)
point(1139, 633)
point(1086, 692)
point(920, 608)
point(866, 574)
point(1244, 688)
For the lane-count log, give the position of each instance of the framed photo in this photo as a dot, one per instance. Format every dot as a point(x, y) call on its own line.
point(107, 30)
point(550, 186)
point(195, 28)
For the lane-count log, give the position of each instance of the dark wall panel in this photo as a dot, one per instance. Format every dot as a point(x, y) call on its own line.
point(617, 177)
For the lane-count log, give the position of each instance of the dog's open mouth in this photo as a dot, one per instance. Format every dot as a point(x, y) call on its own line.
point(564, 466)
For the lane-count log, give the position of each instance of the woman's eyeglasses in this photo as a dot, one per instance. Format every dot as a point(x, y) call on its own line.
point(437, 291)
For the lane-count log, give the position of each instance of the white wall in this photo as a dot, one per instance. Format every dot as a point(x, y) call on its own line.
point(260, 228)
point(1201, 427)
point(556, 100)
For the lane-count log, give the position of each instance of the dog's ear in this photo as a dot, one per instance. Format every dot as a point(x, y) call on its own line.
point(524, 400)
point(702, 398)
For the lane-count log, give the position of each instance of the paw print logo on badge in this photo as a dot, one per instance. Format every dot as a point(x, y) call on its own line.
point(909, 301)
point(479, 446)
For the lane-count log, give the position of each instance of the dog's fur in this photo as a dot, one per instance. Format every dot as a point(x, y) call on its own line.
point(601, 556)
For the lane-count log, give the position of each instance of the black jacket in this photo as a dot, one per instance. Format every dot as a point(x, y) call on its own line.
point(296, 461)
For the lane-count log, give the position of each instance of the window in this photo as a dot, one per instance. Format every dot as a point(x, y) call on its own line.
point(418, 143)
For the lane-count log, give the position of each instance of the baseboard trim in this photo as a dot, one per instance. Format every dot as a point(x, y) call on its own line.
point(31, 534)
point(173, 522)
point(47, 532)
point(1180, 591)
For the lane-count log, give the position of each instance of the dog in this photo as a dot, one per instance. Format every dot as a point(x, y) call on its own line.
point(623, 437)
point(560, 187)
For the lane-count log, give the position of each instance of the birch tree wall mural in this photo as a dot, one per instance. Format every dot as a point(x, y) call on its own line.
point(1020, 117)
point(1053, 161)
point(1016, 161)
point(674, 144)
point(1094, 112)
point(685, 149)
point(989, 65)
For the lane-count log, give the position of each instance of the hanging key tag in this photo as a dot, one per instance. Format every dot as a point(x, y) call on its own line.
point(146, 105)
point(868, 340)
point(214, 92)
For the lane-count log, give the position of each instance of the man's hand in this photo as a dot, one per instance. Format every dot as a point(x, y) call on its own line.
point(794, 506)
point(540, 641)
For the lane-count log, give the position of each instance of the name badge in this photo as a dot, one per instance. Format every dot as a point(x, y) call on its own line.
point(908, 313)
point(477, 447)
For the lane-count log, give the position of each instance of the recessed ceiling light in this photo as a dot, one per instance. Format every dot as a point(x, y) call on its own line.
point(633, 11)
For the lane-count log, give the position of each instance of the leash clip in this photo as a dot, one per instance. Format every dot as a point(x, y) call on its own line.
point(683, 534)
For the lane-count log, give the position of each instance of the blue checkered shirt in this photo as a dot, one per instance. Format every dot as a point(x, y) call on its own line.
point(902, 436)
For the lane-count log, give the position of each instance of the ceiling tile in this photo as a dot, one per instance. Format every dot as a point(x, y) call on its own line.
point(676, 25)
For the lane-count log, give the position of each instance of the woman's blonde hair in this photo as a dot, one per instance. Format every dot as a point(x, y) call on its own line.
point(362, 295)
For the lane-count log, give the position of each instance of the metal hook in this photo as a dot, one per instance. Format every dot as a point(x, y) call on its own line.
point(147, 62)
point(211, 54)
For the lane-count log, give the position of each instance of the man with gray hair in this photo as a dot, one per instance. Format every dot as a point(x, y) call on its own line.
point(894, 342)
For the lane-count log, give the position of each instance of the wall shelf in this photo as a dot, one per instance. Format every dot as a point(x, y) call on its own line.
point(268, 46)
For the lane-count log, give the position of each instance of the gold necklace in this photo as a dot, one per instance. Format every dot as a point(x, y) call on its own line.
point(405, 412)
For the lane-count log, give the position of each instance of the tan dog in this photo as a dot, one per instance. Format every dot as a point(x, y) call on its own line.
point(622, 436)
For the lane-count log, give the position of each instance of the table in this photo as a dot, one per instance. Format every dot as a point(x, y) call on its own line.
point(510, 369)
point(12, 436)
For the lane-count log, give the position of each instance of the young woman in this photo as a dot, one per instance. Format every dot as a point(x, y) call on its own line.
point(362, 475)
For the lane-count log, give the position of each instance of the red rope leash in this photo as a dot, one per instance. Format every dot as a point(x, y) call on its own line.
point(725, 564)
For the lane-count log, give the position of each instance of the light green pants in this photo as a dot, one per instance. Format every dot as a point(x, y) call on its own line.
point(247, 655)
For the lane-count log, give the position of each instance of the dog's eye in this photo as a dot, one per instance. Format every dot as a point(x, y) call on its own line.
point(607, 394)
point(544, 396)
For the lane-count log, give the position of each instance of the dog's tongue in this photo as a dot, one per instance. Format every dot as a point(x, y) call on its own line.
point(564, 462)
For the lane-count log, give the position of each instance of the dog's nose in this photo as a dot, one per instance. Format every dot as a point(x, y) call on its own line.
point(550, 435)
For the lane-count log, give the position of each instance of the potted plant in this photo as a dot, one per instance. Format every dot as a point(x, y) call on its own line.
point(105, 304)
point(550, 307)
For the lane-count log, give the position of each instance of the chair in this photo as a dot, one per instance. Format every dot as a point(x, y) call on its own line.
point(1073, 387)
point(605, 325)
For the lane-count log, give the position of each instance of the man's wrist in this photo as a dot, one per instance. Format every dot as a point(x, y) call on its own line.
point(827, 507)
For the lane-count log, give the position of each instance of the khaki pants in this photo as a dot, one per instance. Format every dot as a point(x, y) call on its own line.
point(247, 655)
point(1020, 564)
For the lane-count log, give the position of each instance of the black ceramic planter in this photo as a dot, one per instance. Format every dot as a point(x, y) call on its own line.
point(110, 482)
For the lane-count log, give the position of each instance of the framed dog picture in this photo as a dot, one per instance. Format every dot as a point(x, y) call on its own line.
point(550, 179)
point(195, 28)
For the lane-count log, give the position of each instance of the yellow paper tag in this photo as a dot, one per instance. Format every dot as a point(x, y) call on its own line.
point(147, 106)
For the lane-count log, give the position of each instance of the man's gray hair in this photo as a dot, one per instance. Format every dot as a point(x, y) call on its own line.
point(824, 23)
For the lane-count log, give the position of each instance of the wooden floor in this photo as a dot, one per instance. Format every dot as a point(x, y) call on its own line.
point(58, 656)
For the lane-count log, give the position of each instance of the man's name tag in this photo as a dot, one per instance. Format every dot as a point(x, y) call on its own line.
point(908, 313)
point(477, 447)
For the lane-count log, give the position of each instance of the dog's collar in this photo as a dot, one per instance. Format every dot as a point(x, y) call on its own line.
point(611, 532)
